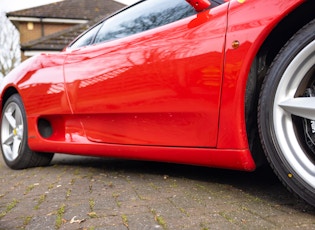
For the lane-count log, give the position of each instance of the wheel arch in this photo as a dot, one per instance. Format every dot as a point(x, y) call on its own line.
point(8, 93)
point(269, 49)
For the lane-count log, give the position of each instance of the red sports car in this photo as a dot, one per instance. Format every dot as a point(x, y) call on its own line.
point(214, 83)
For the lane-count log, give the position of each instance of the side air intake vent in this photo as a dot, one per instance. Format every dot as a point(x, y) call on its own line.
point(44, 128)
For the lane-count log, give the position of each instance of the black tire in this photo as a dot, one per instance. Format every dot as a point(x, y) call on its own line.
point(286, 114)
point(14, 147)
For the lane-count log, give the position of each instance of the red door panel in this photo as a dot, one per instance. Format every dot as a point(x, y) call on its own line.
point(159, 87)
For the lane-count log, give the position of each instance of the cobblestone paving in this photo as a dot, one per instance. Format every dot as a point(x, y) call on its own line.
point(94, 193)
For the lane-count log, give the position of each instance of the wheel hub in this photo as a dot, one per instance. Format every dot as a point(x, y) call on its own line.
point(309, 125)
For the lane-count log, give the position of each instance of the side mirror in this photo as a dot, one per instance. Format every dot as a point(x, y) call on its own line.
point(199, 5)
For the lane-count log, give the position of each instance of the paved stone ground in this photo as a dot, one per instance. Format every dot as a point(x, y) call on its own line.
point(95, 193)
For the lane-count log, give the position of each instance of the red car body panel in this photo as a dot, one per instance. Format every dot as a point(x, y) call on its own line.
point(155, 88)
point(174, 94)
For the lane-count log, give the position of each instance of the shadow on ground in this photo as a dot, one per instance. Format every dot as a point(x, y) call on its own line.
point(261, 183)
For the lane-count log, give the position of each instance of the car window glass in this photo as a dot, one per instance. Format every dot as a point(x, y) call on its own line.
point(143, 16)
point(87, 38)
point(215, 3)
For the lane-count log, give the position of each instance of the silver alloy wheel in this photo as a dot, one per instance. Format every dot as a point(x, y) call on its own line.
point(12, 129)
point(14, 146)
point(287, 104)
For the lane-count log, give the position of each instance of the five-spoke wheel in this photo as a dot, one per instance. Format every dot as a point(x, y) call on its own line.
point(286, 114)
point(12, 131)
point(14, 147)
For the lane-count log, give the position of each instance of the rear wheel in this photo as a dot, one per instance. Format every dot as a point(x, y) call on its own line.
point(286, 114)
point(14, 147)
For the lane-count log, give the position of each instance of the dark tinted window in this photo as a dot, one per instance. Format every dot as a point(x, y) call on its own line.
point(143, 16)
point(87, 38)
point(216, 2)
